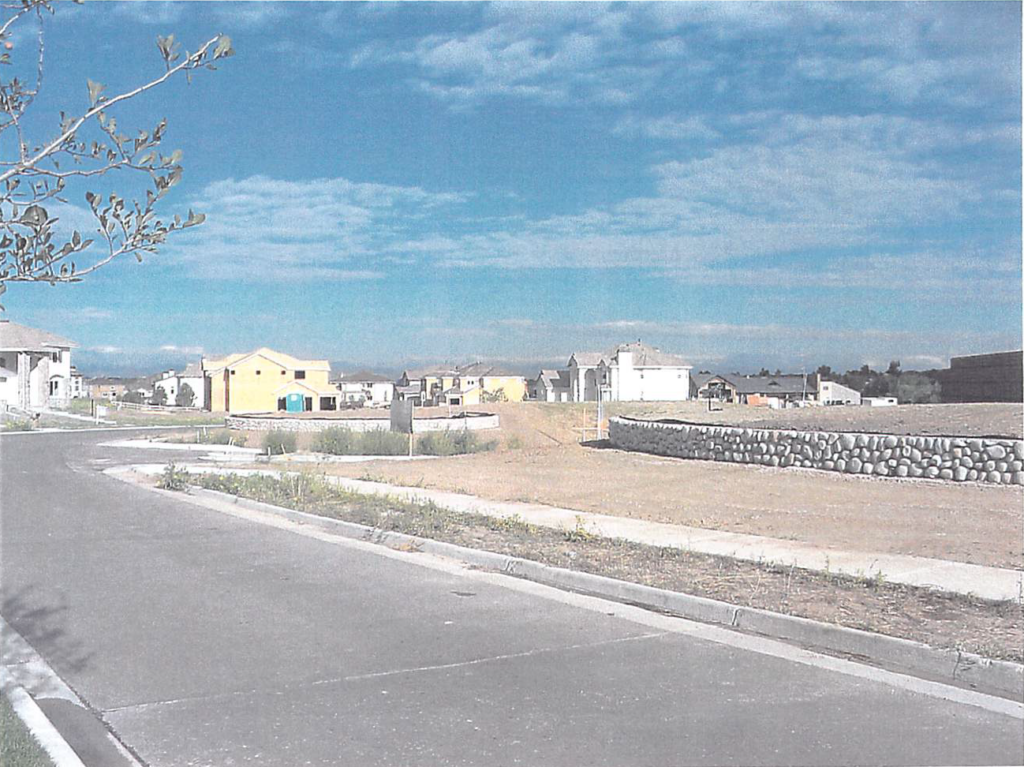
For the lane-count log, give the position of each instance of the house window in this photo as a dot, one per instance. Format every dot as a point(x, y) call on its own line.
point(3, 362)
point(282, 403)
point(232, 372)
point(282, 372)
point(328, 403)
point(257, 372)
point(3, 379)
point(300, 374)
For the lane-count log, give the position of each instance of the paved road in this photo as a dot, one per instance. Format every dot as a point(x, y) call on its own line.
point(201, 638)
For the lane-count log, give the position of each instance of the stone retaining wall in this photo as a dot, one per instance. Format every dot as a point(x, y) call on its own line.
point(958, 459)
point(472, 422)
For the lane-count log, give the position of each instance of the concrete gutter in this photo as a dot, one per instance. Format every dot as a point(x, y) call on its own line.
point(1001, 678)
point(38, 724)
point(188, 447)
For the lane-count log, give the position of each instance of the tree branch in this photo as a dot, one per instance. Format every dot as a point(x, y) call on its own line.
point(189, 63)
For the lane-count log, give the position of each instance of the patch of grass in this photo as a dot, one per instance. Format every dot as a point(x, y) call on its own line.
point(20, 424)
point(279, 442)
point(514, 442)
point(17, 746)
point(457, 442)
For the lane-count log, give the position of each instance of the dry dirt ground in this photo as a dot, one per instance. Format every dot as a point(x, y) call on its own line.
point(962, 522)
point(539, 460)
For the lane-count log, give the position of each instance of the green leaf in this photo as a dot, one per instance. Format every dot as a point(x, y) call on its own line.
point(95, 91)
point(223, 48)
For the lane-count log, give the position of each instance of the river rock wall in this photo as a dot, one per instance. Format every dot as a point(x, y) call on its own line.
point(955, 459)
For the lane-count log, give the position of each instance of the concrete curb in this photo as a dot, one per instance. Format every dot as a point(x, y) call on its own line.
point(39, 725)
point(1002, 678)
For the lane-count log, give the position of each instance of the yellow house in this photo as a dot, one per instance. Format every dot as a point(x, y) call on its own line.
point(481, 382)
point(267, 381)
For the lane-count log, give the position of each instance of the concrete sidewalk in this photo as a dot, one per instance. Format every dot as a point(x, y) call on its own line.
point(992, 583)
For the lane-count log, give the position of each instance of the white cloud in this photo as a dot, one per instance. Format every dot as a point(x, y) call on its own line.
point(190, 350)
point(667, 127)
point(93, 313)
point(250, 14)
point(150, 11)
point(332, 229)
point(553, 52)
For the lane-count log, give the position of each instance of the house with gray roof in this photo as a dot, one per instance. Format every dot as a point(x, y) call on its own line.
point(366, 387)
point(35, 368)
point(550, 386)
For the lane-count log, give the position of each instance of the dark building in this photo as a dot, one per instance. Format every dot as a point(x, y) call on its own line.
point(984, 378)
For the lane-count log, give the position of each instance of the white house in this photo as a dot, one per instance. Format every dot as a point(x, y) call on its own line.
point(192, 376)
point(35, 368)
point(879, 401)
point(77, 386)
point(629, 372)
point(832, 393)
point(371, 389)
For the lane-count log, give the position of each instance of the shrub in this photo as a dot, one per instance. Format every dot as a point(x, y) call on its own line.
point(457, 442)
point(22, 424)
point(335, 441)
point(279, 442)
point(341, 441)
point(381, 442)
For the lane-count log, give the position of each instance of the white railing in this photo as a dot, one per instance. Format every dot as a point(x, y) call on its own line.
point(142, 407)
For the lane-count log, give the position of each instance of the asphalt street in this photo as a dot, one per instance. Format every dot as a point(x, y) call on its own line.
point(206, 639)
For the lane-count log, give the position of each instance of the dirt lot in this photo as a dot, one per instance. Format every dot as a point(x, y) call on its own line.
point(961, 522)
point(539, 460)
point(940, 620)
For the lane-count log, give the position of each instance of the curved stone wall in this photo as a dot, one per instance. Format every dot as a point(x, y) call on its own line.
point(958, 459)
point(262, 422)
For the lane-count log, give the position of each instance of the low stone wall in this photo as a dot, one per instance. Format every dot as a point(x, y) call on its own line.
point(958, 459)
point(258, 422)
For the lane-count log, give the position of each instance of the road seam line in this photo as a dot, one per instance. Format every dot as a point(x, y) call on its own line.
point(709, 615)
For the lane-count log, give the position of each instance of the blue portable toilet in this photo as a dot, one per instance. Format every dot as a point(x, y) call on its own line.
point(293, 403)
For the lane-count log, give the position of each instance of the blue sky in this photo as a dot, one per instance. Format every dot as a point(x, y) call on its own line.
point(777, 184)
